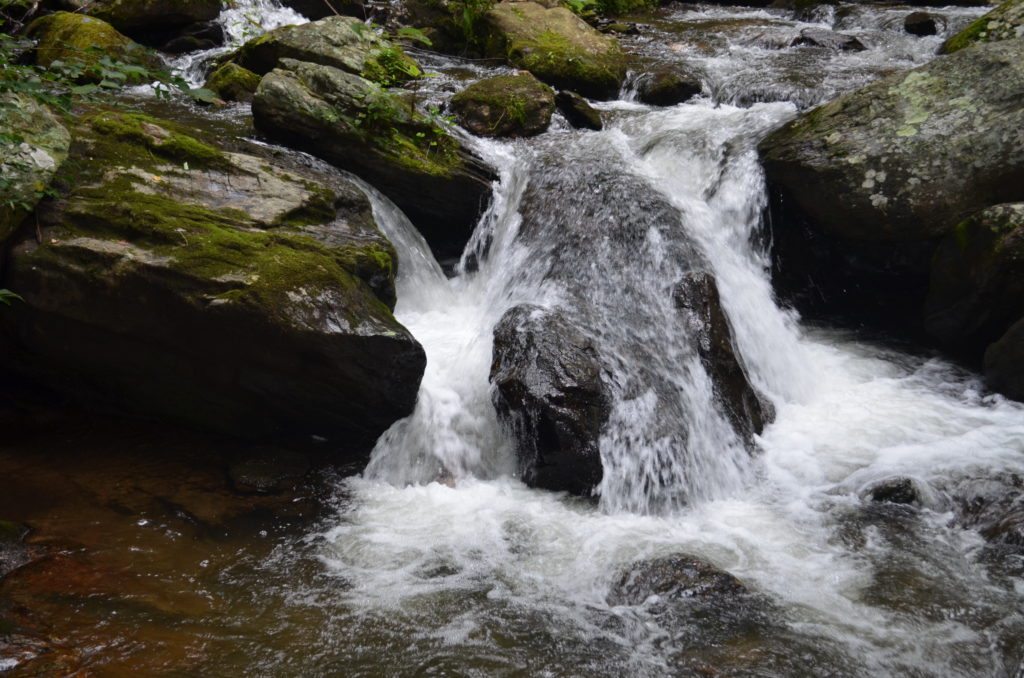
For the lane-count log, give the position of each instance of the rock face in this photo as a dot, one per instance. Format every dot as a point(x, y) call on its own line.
point(667, 87)
point(557, 47)
point(505, 106)
point(357, 126)
point(977, 280)
point(33, 145)
point(863, 186)
point(1005, 22)
point(341, 42)
point(211, 288)
point(549, 389)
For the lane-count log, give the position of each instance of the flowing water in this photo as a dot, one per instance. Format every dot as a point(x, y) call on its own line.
point(436, 561)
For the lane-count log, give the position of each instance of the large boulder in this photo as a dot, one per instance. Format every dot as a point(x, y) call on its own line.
point(342, 42)
point(33, 145)
point(1005, 22)
point(863, 187)
point(70, 38)
point(505, 106)
point(548, 389)
point(375, 133)
point(557, 47)
point(218, 289)
point(977, 280)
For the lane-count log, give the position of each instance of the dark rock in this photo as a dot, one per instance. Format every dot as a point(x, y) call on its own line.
point(139, 16)
point(976, 290)
point(213, 289)
point(671, 578)
point(321, 9)
point(820, 37)
point(994, 506)
point(920, 23)
point(1004, 362)
point(894, 491)
point(198, 36)
point(697, 298)
point(667, 87)
point(505, 106)
point(374, 133)
point(268, 471)
point(577, 111)
point(557, 47)
point(341, 42)
point(441, 21)
point(864, 186)
point(550, 393)
point(76, 38)
point(14, 553)
point(1005, 22)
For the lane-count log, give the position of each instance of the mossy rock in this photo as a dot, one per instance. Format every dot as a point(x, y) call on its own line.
point(68, 37)
point(212, 288)
point(557, 47)
point(231, 82)
point(505, 106)
point(577, 111)
point(341, 42)
point(667, 86)
point(1005, 22)
point(977, 280)
point(33, 145)
point(375, 133)
point(130, 16)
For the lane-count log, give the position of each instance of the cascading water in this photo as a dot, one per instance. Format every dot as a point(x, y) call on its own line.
point(439, 562)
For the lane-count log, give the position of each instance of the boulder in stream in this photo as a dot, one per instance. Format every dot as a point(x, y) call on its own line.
point(232, 82)
point(577, 111)
point(863, 187)
point(549, 392)
point(218, 289)
point(821, 37)
point(556, 46)
point(505, 106)
point(673, 577)
point(375, 133)
point(667, 86)
point(920, 24)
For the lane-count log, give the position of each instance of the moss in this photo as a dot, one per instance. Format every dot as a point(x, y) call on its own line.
point(130, 137)
point(438, 160)
point(389, 66)
point(556, 59)
point(231, 82)
point(69, 37)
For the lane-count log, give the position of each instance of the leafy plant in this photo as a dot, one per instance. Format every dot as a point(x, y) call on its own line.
point(6, 296)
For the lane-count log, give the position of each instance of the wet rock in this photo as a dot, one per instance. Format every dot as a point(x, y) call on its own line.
point(920, 23)
point(672, 577)
point(1004, 362)
point(13, 552)
point(505, 106)
point(667, 87)
point(994, 506)
point(557, 47)
point(820, 37)
point(195, 37)
point(697, 298)
point(894, 491)
point(340, 42)
point(976, 288)
point(268, 471)
point(577, 111)
point(322, 9)
point(376, 134)
point(33, 145)
point(213, 289)
point(71, 38)
point(1005, 22)
point(550, 394)
point(231, 82)
point(139, 16)
point(864, 186)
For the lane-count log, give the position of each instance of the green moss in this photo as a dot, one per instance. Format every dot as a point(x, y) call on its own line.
point(390, 66)
point(441, 159)
point(231, 82)
point(70, 37)
point(132, 138)
point(967, 36)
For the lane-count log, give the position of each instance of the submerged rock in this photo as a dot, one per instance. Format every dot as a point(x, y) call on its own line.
point(894, 491)
point(672, 577)
point(357, 126)
point(549, 392)
point(341, 42)
point(820, 37)
point(505, 106)
point(213, 289)
point(33, 145)
point(862, 187)
point(577, 111)
point(557, 47)
point(1005, 22)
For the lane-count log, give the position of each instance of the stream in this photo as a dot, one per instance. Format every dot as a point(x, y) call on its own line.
point(398, 574)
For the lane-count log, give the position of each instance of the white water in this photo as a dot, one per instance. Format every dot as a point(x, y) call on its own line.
point(479, 575)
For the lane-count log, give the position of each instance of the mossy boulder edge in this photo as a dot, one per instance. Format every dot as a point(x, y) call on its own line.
point(505, 106)
point(214, 289)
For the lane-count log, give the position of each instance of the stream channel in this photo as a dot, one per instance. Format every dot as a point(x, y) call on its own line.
point(384, 571)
